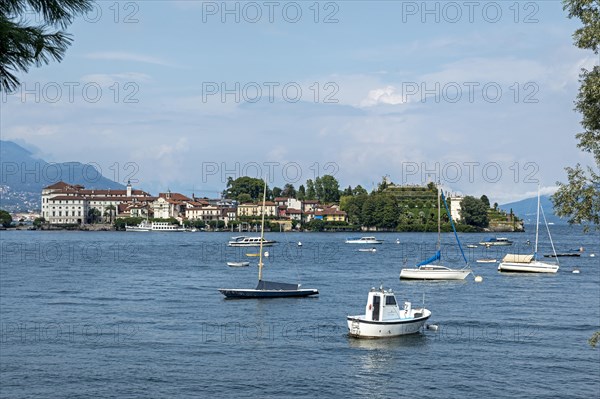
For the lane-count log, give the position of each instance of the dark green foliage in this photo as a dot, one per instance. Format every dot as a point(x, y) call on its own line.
point(579, 199)
point(474, 212)
point(23, 45)
point(245, 185)
point(5, 218)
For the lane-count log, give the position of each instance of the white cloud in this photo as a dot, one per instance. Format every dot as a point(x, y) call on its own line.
point(385, 95)
point(132, 57)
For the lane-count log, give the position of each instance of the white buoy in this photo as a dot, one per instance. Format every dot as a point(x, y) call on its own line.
point(592, 255)
point(266, 254)
point(397, 241)
point(478, 279)
point(432, 327)
point(299, 244)
point(575, 271)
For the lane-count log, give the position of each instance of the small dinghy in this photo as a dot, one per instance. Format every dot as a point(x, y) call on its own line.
point(486, 260)
point(383, 318)
point(238, 264)
point(367, 250)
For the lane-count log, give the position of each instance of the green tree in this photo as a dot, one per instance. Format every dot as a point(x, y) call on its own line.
point(289, 191)
point(276, 192)
point(485, 200)
point(301, 193)
point(5, 218)
point(245, 185)
point(311, 193)
point(474, 212)
point(359, 190)
point(347, 192)
point(94, 215)
point(38, 222)
point(23, 45)
point(244, 198)
point(330, 189)
point(579, 199)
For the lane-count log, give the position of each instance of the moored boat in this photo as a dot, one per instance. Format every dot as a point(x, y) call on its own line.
point(530, 263)
point(383, 318)
point(238, 264)
point(496, 241)
point(363, 240)
point(244, 241)
point(155, 226)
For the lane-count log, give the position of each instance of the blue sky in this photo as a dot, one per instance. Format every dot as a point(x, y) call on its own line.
point(476, 94)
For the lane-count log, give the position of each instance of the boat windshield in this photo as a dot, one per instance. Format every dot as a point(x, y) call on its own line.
point(390, 300)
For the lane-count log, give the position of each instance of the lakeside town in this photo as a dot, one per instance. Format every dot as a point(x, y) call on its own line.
point(319, 205)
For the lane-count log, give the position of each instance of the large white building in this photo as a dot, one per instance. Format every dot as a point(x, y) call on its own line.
point(64, 203)
point(455, 207)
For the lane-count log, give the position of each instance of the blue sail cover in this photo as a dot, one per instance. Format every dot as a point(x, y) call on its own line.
point(435, 257)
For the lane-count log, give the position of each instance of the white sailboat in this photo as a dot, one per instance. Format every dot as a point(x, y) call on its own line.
point(267, 289)
point(530, 263)
point(426, 270)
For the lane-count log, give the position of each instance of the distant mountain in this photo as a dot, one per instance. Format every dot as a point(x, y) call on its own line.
point(23, 177)
point(526, 209)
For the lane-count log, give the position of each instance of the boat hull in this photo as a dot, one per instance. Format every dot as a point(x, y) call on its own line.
point(238, 264)
point(369, 242)
point(235, 293)
point(532, 267)
point(251, 244)
point(419, 274)
point(360, 328)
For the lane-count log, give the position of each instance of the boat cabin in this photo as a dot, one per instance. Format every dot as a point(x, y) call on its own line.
point(382, 306)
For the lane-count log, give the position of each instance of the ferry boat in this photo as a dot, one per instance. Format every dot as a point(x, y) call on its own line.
point(244, 241)
point(145, 226)
point(383, 317)
point(363, 240)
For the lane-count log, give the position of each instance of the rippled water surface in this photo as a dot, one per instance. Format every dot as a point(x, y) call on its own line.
point(111, 314)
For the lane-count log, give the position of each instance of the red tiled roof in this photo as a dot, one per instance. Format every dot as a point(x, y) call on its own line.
point(58, 185)
point(293, 211)
point(280, 199)
point(174, 196)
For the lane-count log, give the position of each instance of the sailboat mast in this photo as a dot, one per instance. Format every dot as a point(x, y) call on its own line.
point(439, 241)
point(262, 234)
point(537, 224)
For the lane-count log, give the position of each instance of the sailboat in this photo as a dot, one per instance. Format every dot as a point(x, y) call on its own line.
point(267, 289)
point(530, 263)
point(427, 270)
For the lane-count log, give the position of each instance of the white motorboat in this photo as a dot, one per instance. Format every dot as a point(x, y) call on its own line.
point(238, 264)
point(530, 263)
point(244, 241)
point(155, 226)
point(363, 240)
point(434, 272)
point(427, 270)
point(367, 250)
point(383, 318)
point(496, 241)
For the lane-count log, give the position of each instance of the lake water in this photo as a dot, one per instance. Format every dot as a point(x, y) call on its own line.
point(138, 315)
